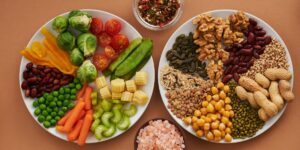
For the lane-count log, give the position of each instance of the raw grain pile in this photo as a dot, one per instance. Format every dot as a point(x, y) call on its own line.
point(274, 56)
point(160, 135)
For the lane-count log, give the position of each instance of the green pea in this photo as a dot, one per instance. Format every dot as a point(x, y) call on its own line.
point(73, 97)
point(49, 98)
point(66, 102)
point(73, 91)
point(52, 104)
point(76, 80)
point(64, 108)
point(48, 118)
point(71, 85)
point(59, 103)
point(70, 105)
point(61, 97)
point(45, 113)
point(45, 95)
point(56, 109)
point(56, 118)
point(37, 111)
point(60, 113)
point(53, 114)
point(52, 122)
point(41, 100)
point(55, 99)
point(78, 86)
point(42, 106)
point(55, 93)
point(61, 90)
point(67, 96)
point(35, 103)
point(41, 118)
point(49, 110)
point(67, 90)
point(46, 124)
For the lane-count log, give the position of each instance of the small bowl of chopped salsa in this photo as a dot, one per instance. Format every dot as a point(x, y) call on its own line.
point(157, 14)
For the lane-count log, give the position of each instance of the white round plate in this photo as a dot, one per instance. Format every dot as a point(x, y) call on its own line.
point(189, 27)
point(127, 30)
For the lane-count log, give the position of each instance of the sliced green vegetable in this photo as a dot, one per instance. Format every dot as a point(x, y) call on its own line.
point(124, 123)
point(117, 116)
point(98, 114)
point(99, 130)
point(110, 131)
point(130, 111)
point(116, 101)
point(106, 105)
point(133, 44)
point(95, 124)
point(117, 106)
point(106, 117)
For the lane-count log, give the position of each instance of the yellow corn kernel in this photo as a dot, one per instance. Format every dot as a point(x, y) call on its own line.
point(226, 89)
point(140, 97)
point(220, 85)
point(214, 90)
point(117, 85)
point(222, 95)
point(227, 100)
point(208, 97)
point(187, 120)
point(141, 78)
point(200, 133)
point(197, 113)
point(204, 103)
point(126, 96)
point(130, 86)
point(116, 95)
point(100, 82)
point(216, 97)
point(105, 93)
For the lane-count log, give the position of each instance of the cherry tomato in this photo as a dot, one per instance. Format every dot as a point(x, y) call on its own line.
point(110, 52)
point(113, 27)
point(104, 39)
point(96, 26)
point(119, 42)
point(101, 61)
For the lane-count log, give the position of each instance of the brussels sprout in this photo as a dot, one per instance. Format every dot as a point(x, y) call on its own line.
point(87, 43)
point(87, 72)
point(60, 24)
point(66, 41)
point(76, 57)
point(80, 20)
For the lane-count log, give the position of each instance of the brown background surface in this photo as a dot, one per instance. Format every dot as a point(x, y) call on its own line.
point(19, 19)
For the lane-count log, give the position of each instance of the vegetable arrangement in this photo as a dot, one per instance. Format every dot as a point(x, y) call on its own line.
point(62, 67)
point(247, 81)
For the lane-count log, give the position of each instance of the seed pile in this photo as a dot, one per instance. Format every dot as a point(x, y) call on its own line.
point(274, 56)
point(245, 121)
point(183, 56)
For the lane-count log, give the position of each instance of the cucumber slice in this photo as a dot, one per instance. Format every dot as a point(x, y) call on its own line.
point(117, 106)
point(99, 130)
point(124, 123)
point(130, 111)
point(98, 113)
point(96, 107)
point(95, 124)
point(110, 131)
point(94, 101)
point(106, 105)
point(117, 116)
point(116, 101)
point(106, 117)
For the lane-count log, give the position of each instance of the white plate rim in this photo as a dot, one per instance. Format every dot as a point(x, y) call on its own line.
point(94, 140)
point(162, 91)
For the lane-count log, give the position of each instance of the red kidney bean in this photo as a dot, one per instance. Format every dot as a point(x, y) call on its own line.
point(33, 92)
point(242, 58)
point(56, 81)
point(237, 45)
point(24, 85)
point(241, 70)
point(250, 28)
point(234, 68)
point(250, 63)
point(228, 70)
point(260, 38)
point(251, 37)
point(25, 75)
point(257, 47)
point(252, 22)
point(64, 82)
point(243, 64)
point(27, 92)
point(268, 40)
point(227, 78)
point(248, 46)
point(47, 70)
point(228, 61)
point(257, 28)
point(235, 61)
point(260, 33)
point(247, 58)
point(255, 55)
point(261, 43)
point(236, 77)
point(245, 51)
point(244, 42)
point(29, 66)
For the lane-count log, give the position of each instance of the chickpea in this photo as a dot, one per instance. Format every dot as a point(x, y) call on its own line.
point(218, 105)
point(194, 119)
point(228, 130)
point(207, 120)
point(208, 97)
point(202, 117)
point(216, 97)
point(220, 85)
point(224, 120)
point(222, 126)
point(213, 117)
point(213, 102)
point(214, 90)
point(222, 95)
point(187, 120)
point(217, 139)
point(197, 113)
point(227, 100)
point(195, 126)
point(218, 116)
point(206, 126)
point(200, 133)
point(226, 88)
point(209, 136)
point(229, 124)
point(217, 133)
point(222, 110)
point(231, 113)
point(228, 138)
point(226, 114)
point(203, 111)
point(215, 125)
point(205, 103)
point(228, 107)
point(210, 108)
point(222, 102)
point(200, 122)
point(223, 133)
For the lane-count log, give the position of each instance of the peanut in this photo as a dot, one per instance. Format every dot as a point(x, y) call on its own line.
point(278, 74)
point(285, 90)
point(262, 80)
point(275, 96)
point(251, 85)
point(269, 107)
point(262, 115)
point(244, 95)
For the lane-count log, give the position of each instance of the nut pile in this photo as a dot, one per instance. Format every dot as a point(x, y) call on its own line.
point(242, 55)
point(274, 56)
point(40, 79)
point(183, 56)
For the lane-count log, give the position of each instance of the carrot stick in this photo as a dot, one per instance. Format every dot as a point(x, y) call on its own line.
point(82, 90)
point(73, 117)
point(75, 132)
point(63, 120)
point(81, 114)
point(85, 129)
point(90, 112)
point(60, 128)
point(87, 98)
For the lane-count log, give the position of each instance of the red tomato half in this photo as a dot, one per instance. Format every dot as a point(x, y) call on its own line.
point(96, 26)
point(101, 61)
point(119, 42)
point(113, 27)
point(110, 52)
point(104, 39)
